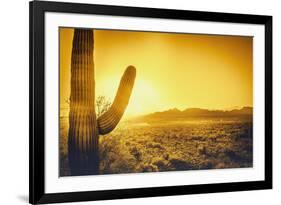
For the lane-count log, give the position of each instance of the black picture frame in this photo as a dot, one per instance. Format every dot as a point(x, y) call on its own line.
point(37, 11)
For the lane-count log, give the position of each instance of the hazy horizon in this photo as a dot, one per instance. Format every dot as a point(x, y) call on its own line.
point(181, 110)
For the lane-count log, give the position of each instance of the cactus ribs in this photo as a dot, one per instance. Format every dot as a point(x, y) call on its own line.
point(84, 126)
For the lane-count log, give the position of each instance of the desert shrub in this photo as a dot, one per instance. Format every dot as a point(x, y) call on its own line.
point(136, 153)
point(160, 162)
point(202, 149)
point(179, 164)
point(207, 164)
point(154, 145)
point(166, 156)
point(149, 168)
point(220, 165)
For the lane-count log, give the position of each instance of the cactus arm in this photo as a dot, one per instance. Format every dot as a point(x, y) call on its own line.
point(109, 120)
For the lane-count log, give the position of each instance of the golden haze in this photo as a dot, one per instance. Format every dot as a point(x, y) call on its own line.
point(173, 70)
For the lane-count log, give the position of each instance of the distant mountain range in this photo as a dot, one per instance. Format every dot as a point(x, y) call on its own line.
point(198, 113)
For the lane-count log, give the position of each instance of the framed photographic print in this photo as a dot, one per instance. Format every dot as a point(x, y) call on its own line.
point(140, 102)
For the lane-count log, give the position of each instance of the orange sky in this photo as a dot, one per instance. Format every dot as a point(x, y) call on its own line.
point(173, 70)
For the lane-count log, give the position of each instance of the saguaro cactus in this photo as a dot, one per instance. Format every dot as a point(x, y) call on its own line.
point(84, 127)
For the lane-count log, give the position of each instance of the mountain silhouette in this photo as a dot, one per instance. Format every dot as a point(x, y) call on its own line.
point(198, 113)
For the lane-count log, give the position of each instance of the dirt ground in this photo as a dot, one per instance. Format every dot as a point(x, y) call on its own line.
point(170, 146)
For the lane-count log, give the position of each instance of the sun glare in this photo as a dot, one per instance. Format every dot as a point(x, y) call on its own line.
point(143, 94)
point(172, 70)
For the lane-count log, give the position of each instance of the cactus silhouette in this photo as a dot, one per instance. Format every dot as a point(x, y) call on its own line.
point(84, 126)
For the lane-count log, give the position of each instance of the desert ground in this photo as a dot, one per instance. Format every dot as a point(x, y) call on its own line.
point(194, 144)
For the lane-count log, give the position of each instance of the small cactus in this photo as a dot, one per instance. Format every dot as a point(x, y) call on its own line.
point(84, 126)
